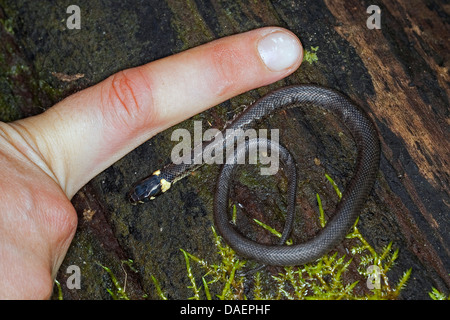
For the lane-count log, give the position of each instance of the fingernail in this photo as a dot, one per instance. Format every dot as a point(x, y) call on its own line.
point(279, 50)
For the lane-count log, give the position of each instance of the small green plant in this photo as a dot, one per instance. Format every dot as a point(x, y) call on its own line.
point(223, 273)
point(60, 294)
point(158, 288)
point(435, 294)
point(118, 293)
point(310, 55)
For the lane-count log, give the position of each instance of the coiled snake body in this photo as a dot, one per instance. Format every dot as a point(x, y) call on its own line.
point(347, 210)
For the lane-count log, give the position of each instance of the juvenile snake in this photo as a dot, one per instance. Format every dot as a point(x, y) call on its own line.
point(347, 210)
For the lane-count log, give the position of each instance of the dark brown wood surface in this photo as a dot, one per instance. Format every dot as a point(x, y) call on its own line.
point(399, 74)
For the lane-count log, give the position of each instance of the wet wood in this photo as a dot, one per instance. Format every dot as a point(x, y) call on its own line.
point(407, 61)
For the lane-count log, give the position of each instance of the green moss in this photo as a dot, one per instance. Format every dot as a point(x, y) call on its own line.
point(435, 294)
point(330, 277)
point(311, 55)
point(59, 293)
point(158, 288)
point(222, 278)
point(7, 25)
point(118, 292)
point(323, 279)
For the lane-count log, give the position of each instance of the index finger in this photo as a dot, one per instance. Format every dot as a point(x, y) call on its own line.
point(88, 131)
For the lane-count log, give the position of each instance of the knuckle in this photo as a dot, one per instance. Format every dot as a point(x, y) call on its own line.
point(127, 100)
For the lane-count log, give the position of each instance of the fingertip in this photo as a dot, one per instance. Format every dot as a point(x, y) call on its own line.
point(280, 50)
point(212, 73)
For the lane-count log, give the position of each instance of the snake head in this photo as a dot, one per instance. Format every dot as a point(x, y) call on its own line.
point(146, 190)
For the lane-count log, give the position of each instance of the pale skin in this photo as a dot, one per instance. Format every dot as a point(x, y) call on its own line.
point(47, 158)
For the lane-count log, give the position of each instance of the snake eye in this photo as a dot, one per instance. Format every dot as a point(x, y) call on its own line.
point(146, 190)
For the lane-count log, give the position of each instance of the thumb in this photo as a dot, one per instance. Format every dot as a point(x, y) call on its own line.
point(84, 134)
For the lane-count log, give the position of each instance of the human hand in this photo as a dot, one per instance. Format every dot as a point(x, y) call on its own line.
point(47, 158)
